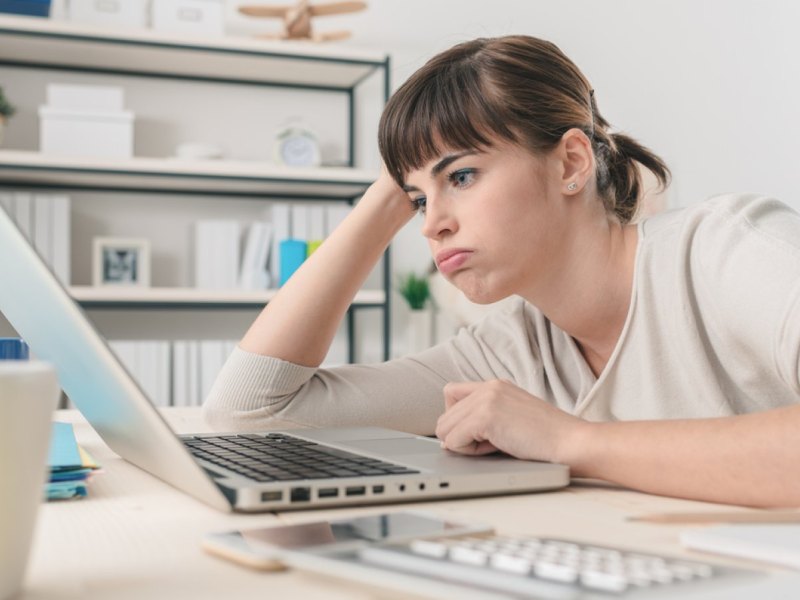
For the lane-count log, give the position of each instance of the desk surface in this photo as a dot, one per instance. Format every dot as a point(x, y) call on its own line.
point(136, 537)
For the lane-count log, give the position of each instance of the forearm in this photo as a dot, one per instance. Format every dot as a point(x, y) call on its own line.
point(749, 459)
point(299, 324)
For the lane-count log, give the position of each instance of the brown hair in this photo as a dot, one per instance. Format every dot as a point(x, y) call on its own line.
point(520, 89)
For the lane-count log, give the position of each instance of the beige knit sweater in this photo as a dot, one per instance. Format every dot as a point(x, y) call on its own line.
point(713, 329)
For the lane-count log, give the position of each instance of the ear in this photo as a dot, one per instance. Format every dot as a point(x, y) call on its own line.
point(577, 161)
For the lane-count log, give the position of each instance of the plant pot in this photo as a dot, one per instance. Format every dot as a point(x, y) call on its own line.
point(420, 330)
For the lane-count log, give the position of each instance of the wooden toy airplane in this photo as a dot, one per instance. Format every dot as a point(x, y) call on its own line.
point(297, 18)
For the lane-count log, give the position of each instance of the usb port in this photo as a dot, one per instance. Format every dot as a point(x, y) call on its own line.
point(444, 484)
point(301, 494)
point(377, 489)
point(271, 496)
point(358, 490)
point(328, 492)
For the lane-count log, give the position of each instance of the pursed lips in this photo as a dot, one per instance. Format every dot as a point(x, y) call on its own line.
point(451, 259)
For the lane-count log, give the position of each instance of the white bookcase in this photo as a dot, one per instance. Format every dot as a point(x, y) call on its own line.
point(28, 44)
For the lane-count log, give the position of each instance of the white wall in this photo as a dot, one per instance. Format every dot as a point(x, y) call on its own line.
point(710, 85)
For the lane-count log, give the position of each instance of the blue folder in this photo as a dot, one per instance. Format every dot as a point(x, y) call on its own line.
point(64, 454)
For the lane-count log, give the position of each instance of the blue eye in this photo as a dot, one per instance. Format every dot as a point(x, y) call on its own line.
point(462, 177)
point(419, 203)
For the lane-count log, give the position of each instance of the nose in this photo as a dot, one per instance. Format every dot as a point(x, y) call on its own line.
point(439, 219)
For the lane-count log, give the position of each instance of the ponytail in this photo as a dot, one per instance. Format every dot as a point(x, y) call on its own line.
point(619, 182)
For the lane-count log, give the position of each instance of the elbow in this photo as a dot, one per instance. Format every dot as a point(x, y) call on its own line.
point(223, 416)
point(215, 417)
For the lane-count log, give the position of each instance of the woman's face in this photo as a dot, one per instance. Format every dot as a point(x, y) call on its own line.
point(495, 219)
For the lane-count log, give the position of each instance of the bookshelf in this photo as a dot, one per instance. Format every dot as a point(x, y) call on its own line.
point(172, 175)
point(49, 45)
point(163, 297)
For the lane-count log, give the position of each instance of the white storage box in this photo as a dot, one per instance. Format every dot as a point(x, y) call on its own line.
point(189, 16)
point(94, 134)
point(122, 13)
point(85, 97)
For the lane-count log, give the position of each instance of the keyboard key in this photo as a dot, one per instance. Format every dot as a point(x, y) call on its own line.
point(468, 556)
point(511, 564)
point(428, 548)
point(604, 581)
point(554, 571)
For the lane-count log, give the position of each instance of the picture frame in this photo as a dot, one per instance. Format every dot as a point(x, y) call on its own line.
point(121, 262)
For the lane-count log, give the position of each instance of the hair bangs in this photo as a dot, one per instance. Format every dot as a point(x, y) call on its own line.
point(448, 110)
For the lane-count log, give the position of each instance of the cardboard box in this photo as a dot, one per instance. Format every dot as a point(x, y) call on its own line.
point(64, 132)
point(115, 13)
point(205, 17)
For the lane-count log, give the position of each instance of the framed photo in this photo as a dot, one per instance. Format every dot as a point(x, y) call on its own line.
point(121, 262)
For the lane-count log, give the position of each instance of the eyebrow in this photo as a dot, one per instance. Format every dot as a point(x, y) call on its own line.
point(441, 166)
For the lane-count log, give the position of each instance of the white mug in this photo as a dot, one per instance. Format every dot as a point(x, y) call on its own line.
point(29, 393)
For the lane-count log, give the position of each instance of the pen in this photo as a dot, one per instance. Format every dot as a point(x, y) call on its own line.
point(775, 516)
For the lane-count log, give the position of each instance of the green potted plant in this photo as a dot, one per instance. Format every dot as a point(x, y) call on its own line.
point(7, 110)
point(416, 291)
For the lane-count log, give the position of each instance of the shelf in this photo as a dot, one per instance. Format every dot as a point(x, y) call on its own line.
point(46, 43)
point(172, 175)
point(164, 297)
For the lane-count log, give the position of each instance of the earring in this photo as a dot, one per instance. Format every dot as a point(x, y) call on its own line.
point(572, 186)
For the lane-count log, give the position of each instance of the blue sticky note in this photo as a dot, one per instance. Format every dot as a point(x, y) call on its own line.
point(63, 449)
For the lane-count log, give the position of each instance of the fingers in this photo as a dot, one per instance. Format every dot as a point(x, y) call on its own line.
point(454, 392)
point(464, 427)
point(473, 449)
point(461, 426)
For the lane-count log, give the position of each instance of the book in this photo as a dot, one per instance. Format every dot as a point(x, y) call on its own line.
point(7, 203)
point(281, 230)
point(292, 254)
point(217, 249)
point(23, 214)
point(60, 245)
point(70, 465)
point(43, 227)
point(254, 272)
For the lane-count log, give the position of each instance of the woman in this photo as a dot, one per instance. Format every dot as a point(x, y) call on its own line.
point(663, 356)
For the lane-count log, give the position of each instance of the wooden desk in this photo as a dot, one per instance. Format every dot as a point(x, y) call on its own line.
point(136, 537)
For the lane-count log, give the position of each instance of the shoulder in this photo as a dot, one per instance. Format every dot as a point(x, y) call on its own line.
point(512, 328)
point(729, 220)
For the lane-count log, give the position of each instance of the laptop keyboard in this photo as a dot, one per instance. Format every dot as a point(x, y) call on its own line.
point(281, 457)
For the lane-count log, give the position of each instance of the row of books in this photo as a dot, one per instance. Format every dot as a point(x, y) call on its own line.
point(174, 373)
point(45, 220)
point(266, 253)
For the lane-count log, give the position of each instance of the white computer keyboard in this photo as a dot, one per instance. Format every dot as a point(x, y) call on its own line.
point(542, 567)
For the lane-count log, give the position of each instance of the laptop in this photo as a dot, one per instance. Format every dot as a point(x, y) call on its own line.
point(276, 470)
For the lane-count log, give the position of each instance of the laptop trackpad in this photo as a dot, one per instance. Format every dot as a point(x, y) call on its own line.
point(397, 447)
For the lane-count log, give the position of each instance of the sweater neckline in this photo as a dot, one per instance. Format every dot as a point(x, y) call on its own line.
point(623, 336)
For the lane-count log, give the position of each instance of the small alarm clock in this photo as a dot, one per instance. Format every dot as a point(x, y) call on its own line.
point(296, 146)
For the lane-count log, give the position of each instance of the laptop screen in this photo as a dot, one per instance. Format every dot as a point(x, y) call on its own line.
point(58, 331)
